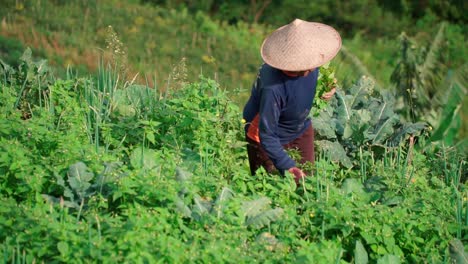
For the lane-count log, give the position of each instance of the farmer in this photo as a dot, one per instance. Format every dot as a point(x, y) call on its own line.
point(277, 112)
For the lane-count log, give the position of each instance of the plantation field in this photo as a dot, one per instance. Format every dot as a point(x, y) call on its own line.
point(122, 138)
point(95, 169)
point(153, 39)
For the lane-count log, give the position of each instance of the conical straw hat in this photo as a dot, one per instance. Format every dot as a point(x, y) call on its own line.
point(301, 46)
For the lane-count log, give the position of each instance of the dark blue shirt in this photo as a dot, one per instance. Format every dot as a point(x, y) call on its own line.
point(284, 104)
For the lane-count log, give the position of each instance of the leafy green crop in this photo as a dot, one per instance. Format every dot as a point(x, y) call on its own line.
point(361, 117)
point(96, 170)
point(326, 81)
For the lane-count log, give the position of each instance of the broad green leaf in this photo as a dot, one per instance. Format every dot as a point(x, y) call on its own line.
point(389, 259)
point(351, 185)
point(150, 137)
point(182, 175)
point(252, 208)
point(335, 152)
point(343, 108)
point(58, 201)
point(348, 131)
point(358, 94)
point(130, 100)
point(63, 248)
point(364, 116)
point(68, 193)
point(223, 196)
point(393, 200)
point(80, 172)
point(383, 130)
point(450, 114)
point(360, 254)
point(27, 56)
point(457, 251)
point(79, 178)
point(324, 126)
point(201, 207)
point(381, 107)
point(264, 218)
point(183, 208)
point(404, 131)
point(269, 241)
point(110, 168)
point(357, 126)
point(144, 158)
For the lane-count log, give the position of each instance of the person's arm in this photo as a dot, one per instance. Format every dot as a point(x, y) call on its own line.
point(270, 109)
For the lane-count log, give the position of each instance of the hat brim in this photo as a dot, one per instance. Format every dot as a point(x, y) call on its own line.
point(301, 46)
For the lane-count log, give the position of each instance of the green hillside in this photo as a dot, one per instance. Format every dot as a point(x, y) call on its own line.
point(152, 39)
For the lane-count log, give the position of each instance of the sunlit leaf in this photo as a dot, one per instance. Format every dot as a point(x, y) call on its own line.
point(360, 254)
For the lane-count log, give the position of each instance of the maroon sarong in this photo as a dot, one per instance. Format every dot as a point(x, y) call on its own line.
point(258, 157)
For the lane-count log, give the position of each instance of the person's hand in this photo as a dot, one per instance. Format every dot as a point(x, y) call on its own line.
point(328, 95)
point(298, 174)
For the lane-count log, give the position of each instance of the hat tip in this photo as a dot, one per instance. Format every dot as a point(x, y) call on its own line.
point(297, 22)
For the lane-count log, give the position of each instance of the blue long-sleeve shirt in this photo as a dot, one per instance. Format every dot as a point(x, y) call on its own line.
point(283, 104)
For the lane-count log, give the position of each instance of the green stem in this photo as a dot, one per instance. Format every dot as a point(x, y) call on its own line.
point(79, 211)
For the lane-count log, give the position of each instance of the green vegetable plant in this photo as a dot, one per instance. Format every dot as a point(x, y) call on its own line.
point(326, 81)
point(361, 117)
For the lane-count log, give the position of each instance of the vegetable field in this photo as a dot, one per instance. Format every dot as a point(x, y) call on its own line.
point(100, 169)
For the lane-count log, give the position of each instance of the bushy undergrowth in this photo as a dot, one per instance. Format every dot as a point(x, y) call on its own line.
point(93, 169)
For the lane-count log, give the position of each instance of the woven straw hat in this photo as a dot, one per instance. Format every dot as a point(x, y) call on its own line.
point(301, 46)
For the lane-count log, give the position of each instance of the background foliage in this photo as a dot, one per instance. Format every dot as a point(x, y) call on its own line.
point(220, 39)
point(126, 144)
